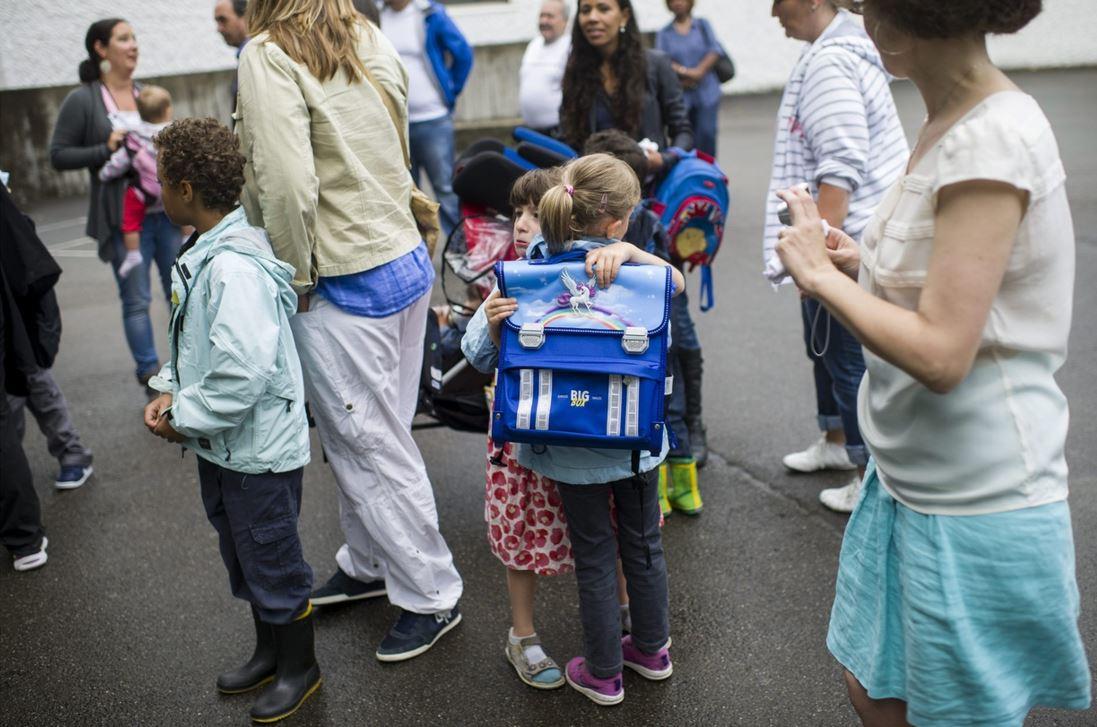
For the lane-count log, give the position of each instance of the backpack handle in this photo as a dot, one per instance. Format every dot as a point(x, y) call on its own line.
point(564, 257)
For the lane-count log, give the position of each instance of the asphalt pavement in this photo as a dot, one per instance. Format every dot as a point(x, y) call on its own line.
point(131, 619)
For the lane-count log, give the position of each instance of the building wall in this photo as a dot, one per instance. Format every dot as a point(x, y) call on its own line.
point(42, 45)
point(42, 42)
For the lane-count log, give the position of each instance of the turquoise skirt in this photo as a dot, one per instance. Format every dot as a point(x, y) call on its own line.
point(971, 620)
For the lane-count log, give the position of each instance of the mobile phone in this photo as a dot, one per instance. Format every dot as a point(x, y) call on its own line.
point(783, 214)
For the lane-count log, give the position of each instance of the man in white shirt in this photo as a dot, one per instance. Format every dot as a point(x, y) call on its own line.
point(542, 72)
point(438, 60)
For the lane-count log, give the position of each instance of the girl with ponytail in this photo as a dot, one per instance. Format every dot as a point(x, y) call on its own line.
point(589, 210)
point(91, 126)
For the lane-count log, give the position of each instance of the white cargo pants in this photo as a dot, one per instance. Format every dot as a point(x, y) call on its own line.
point(362, 382)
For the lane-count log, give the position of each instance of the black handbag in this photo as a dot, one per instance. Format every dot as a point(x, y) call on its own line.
point(724, 68)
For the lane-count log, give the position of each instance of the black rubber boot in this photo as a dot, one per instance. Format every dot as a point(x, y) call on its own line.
point(260, 668)
point(692, 371)
point(298, 673)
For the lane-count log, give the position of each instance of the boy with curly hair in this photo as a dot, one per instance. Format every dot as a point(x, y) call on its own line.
point(233, 393)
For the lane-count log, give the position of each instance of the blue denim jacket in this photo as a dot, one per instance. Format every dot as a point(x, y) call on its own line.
point(571, 465)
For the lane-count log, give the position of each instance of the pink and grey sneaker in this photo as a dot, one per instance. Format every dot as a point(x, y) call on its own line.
point(605, 692)
point(655, 666)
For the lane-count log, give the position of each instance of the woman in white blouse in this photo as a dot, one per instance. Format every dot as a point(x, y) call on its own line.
point(956, 599)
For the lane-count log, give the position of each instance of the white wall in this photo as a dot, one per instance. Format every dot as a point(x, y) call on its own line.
point(42, 42)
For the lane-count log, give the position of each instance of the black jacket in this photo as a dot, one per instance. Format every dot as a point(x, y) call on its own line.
point(29, 317)
point(664, 119)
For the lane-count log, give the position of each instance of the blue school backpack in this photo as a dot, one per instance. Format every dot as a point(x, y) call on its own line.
point(581, 366)
point(692, 202)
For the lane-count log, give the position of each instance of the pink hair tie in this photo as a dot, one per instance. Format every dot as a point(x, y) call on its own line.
point(570, 190)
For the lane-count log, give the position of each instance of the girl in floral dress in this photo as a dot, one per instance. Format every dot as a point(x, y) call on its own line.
point(526, 526)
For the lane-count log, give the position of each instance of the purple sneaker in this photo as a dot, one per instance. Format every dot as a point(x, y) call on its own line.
point(605, 692)
point(655, 666)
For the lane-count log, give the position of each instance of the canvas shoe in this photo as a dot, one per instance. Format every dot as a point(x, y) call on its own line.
point(415, 633)
point(655, 666)
point(604, 692)
point(72, 476)
point(842, 499)
point(341, 588)
point(822, 455)
point(34, 560)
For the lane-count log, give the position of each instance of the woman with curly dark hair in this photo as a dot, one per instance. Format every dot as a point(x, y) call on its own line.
point(956, 600)
point(611, 82)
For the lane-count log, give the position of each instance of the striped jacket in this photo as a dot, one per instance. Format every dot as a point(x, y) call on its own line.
point(837, 124)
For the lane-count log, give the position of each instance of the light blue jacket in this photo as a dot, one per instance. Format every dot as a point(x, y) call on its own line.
point(571, 465)
point(238, 394)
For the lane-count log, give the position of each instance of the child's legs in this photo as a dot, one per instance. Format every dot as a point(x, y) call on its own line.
point(256, 521)
point(637, 525)
point(595, 551)
point(51, 411)
point(133, 218)
point(522, 588)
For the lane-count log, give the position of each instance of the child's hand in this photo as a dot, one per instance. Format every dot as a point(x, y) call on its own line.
point(164, 430)
point(155, 409)
point(498, 309)
point(157, 421)
point(605, 262)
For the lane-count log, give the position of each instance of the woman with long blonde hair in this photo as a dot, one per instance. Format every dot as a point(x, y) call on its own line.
point(322, 107)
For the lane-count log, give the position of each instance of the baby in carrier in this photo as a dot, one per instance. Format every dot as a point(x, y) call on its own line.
point(135, 160)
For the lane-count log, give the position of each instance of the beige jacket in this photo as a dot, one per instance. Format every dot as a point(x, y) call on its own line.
point(325, 175)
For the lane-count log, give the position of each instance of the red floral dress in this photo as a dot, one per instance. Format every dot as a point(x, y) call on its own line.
point(527, 529)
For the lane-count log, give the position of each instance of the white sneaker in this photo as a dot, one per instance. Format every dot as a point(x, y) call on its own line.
point(842, 499)
point(34, 560)
point(822, 455)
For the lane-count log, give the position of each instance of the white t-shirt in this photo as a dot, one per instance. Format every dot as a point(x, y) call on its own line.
point(540, 79)
point(407, 31)
point(994, 443)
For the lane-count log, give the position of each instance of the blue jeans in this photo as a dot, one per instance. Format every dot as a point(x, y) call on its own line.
point(160, 241)
point(431, 146)
point(704, 120)
point(838, 372)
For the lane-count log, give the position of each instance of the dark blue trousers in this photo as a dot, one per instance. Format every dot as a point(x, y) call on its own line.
point(256, 521)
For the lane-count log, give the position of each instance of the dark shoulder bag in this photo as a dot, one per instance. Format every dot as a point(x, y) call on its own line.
point(724, 68)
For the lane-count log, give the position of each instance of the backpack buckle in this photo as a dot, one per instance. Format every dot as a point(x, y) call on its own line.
point(531, 335)
point(635, 339)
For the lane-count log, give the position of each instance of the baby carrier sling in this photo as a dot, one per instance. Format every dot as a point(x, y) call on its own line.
point(581, 366)
point(142, 174)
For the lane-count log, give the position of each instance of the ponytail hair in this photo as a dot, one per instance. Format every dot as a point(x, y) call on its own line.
point(594, 191)
point(100, 31)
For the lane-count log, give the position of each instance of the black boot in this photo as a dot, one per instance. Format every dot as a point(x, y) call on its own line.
point(260, 668)
point(298, 673)
point(692, 371)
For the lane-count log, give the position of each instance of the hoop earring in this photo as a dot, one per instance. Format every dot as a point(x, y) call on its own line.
point(104, 66)
point(879, 47)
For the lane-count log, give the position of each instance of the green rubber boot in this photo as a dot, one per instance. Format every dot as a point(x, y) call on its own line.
point(682, 487)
